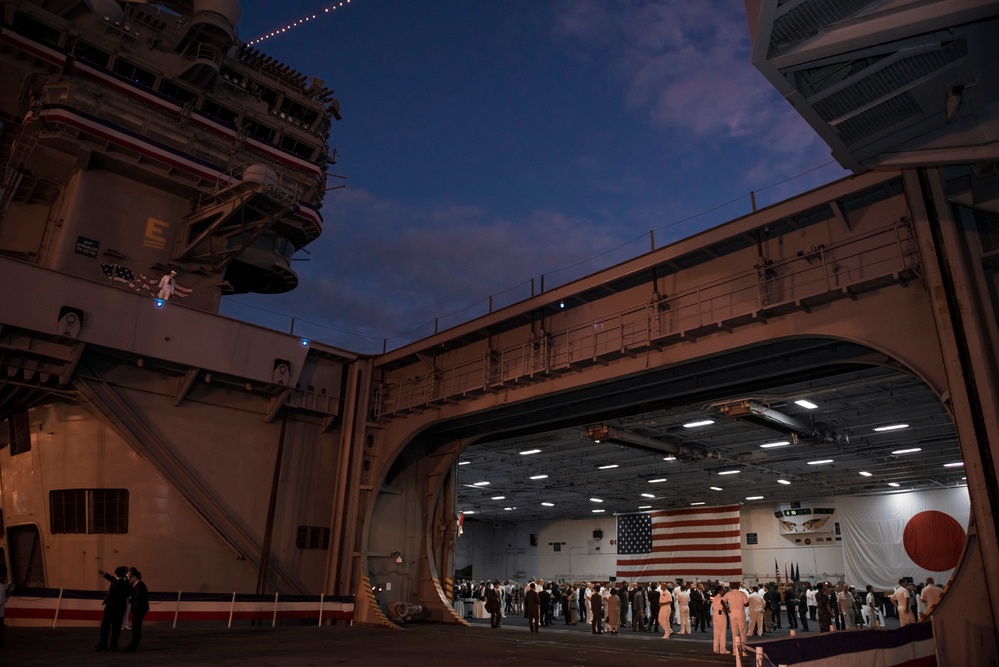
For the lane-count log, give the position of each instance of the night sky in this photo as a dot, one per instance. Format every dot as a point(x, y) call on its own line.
point(484, 144)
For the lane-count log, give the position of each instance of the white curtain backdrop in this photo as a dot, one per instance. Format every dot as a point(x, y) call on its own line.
point(872, 529)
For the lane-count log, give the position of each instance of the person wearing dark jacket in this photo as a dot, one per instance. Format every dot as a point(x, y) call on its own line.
point(532, 607)
point(140, 605)
point(115, 603)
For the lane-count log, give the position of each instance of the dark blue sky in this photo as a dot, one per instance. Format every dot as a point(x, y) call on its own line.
point(488, 143)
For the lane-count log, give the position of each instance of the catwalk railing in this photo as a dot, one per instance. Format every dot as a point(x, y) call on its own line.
point(55, 605)
point(820, 275)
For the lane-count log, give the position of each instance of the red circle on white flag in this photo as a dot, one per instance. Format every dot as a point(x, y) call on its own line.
point(933, 540)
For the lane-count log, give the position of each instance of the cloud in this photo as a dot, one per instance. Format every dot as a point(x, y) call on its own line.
point(686, 67)
point(387, 270)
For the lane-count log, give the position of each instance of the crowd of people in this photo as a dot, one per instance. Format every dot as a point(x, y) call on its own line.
point(696, 606)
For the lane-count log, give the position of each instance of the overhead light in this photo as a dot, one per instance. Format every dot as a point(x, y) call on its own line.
point(656, 481)
point(783, 481)
point(669, 458)
point(499, 498)
point(598, 511)
point(895, 484)
point(808, 405)
point(729, 472)
point(645, 507)
point(648, 495)
point(770, 445)
point(468, 512)
point(597, 441)
point(956, 464)
point(548, 504)
point(703, 422)
point(509, 508)
point(480, 484)
point(539, 476)
point(866, 474)
point(700, 503)
point(754, 497)
point(596, 500)
point(530, 451)
point(819, 462)
point(608, 466)
point(715, 488)
point(463, 463)
point(910, 450)
point(891, 427)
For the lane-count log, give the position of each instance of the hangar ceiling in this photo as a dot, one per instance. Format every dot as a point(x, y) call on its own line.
point(660, 459)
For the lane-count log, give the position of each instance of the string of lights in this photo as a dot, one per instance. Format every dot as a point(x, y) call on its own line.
point(291, 26)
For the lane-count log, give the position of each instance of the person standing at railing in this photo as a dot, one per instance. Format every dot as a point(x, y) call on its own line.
point(115, 603)
point(140, 605)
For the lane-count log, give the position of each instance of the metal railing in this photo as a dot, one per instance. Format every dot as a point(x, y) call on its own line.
point(822, 274)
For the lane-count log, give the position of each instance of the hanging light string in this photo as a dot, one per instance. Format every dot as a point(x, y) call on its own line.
point(290, 26)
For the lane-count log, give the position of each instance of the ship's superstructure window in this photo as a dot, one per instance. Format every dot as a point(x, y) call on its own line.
point(28, 26)
point(259, 130)
point(88, 511)
point(87, 52)
point(219, 112)
point(18, 433)
point(134, 73)
point(313, 537)
point(178, 93)
point(299, 148)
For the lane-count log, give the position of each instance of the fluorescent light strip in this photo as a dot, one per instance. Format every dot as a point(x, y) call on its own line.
point(754, 497)
point(729, 472)
point(891, 427)
point(703, 422)
point(819, 462)
point(596, 500)
point(895, 484)
point(648, 495)
point(468, 512)
point(910, 450)
point(527, 452)
point(598, 511)
point(956, 464)
point(700, 503)
point(463, 463)
point(539, 476)
point(499, 498)
point(770, 445)
point(715, 488)
point(607, 467)
point(783, 481)
point(808, 405)
point(663, 479)
point(645, 507)
point(480, 483)
point(548, 504)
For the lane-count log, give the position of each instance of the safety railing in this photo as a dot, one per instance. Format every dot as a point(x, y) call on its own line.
point(821, 274)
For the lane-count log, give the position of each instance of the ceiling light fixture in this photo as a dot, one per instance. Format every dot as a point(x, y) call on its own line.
point(530, 451)
point(596, 500)
point(895, 484)
point(819, 462)
point(700, 503)
point(910, 450)
point(808, 405)
point(669, 458)
point(499, 497)
point(648, 495)
point(608, 466)
point(598, 511)
point(956, 464)
point(539, 476)
point(866, 474)
point(715, 488)
point(891, 427)
point(468, 511)
point(783, 481)
point(656, 481)
point(463, 463)
point(703, 422)
point(480, 484)
point(509, 508)
point(645, 507)
point(770, 445)
point(729, 472)
point(754, 497)
point(548, 504)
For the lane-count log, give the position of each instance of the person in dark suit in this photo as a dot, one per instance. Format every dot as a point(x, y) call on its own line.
point(115, 603)
point(597, 611)
point(140, 605)
point(546, 604)
point(532, 607)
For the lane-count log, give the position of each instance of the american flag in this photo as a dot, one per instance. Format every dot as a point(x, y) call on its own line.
point(695, 543)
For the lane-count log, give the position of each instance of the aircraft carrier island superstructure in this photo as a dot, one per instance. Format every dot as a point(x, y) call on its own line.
point(152, 163)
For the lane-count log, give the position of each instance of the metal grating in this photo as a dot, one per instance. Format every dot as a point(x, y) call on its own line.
point(887, 80)
point(877, 119)
point(807, 20)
